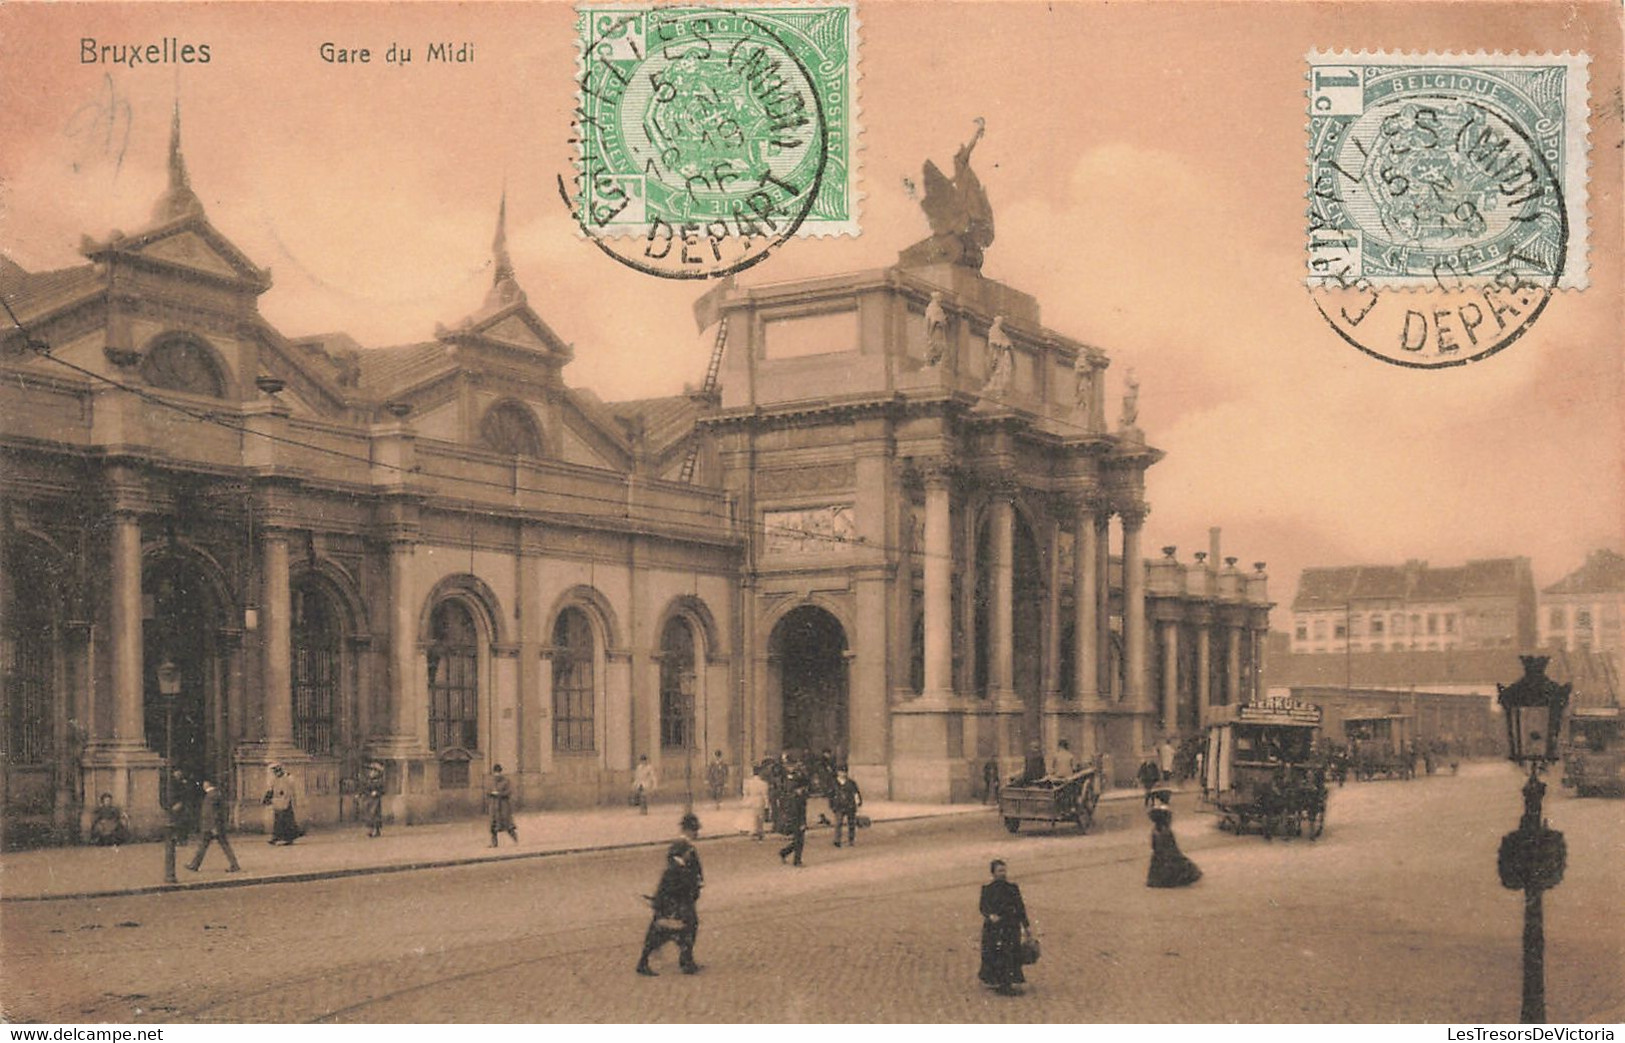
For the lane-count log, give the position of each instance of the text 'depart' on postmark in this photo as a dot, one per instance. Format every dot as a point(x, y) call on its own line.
point(705, 136)
point(1459, 175)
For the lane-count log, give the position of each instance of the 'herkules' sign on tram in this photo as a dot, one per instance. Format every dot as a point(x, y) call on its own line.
point(1278, 711)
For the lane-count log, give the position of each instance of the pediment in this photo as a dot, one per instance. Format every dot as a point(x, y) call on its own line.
point(190, 250)
point(513, 327)
point(190, 243)
point(516, 331)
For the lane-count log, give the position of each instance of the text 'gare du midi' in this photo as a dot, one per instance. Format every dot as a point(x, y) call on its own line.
point(883, 528)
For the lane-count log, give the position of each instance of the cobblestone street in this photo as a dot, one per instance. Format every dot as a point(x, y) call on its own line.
point(1394, 915)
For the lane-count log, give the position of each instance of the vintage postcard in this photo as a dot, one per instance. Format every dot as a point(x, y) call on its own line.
point(812, 511)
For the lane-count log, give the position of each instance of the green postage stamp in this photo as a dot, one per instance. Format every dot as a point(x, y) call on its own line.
point(715, 133)
point(1447, 170)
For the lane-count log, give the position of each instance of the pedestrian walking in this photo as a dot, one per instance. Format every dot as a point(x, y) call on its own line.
point(644, 781)
point(1004, 926)
point(211, 826)
point(774, 770)
point(372, 799)
point(794, 809)
point(845, 802)
point(284, 823)
point(990, 781)
point(181, 798)
point(500, 800)
point(1165, 759)
point(716, 777)
point(756, 802)
point(675, 901)
point(1149, 775)
point(1169, 867)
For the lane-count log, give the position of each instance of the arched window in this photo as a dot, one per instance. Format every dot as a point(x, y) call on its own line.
point(454, 678)
point(316, 671)
point(28, 649)
point(573, 659)
point(510, 428)
point(181, 363)
point(677, 680)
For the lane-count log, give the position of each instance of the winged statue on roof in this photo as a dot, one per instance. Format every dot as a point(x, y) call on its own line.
point(957, 208)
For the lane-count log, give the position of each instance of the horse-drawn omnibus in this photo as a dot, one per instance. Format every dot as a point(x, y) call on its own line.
point(1382, 745)
point(1261, 769)
point(1594, 751)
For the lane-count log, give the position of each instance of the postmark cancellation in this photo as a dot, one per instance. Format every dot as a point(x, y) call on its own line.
point(1447, 170)
point(722, 129)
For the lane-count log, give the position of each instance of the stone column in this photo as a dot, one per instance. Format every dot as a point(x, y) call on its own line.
point(1086, 607)
point(404, 700)
point(1232, 666)
point(1103, 604)
point(276, 642)
point(939, 612)
point(1001, 665)
point(1204, 672)
point(1170, 676)
point(1134, 643)
point(1259, 644)
point(125, 623)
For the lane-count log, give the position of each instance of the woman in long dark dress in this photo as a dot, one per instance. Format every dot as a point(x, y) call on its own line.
point(1169, 867)
point(1004, 919)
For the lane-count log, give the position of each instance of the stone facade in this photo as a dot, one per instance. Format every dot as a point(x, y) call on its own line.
point(226, 548)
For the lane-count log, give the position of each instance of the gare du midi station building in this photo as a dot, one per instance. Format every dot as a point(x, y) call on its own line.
point(227, 547)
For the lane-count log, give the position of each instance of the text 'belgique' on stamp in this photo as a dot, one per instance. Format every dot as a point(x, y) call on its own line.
point(1461, 176)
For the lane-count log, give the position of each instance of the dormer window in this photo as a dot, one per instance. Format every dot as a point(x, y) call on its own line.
point(182, 363)
point(510, 429)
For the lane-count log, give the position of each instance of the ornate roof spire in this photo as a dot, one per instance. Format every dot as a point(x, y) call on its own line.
point(179, 200)
point(504, 287)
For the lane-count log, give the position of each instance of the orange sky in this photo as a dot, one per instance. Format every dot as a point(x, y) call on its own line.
point(1145, 163)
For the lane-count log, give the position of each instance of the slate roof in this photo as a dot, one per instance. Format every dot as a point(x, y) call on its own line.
point(1602, 573)
point(666, 420)
point(34, 293)
point(1334, 587)
point(384, 370)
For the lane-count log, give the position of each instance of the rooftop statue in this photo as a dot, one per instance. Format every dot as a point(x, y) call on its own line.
point(1131, 401)
point(961, 220)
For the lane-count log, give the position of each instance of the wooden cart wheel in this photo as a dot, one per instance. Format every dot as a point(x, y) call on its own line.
point(1012, 824)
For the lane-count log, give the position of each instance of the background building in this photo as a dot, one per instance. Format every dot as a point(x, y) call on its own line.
point(1411, 607)
point(1582, 611)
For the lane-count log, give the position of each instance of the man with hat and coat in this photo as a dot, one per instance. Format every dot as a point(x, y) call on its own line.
point(676, 917)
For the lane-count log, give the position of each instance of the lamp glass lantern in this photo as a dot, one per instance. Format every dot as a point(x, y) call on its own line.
point(1533, 705)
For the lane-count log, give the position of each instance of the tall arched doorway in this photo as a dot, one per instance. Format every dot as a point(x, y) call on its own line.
point(183, 668)
point(808, 649)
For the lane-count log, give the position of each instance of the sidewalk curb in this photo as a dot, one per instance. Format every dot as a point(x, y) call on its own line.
point(407, 867)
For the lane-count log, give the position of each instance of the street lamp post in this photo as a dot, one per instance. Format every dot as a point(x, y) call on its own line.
point(169, 689)
point(1533, 856)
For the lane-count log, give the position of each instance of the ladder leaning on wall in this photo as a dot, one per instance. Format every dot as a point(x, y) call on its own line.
point(709, 388)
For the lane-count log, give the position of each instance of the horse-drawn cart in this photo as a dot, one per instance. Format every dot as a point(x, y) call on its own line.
point(1051, 801)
